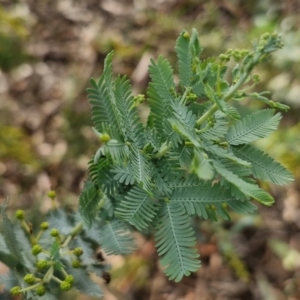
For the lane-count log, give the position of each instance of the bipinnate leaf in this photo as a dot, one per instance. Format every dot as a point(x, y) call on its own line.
point(249, 190)
point(207, 201)
point(140, 166)
point(132, 126)
point(253, 127)
point(184, 58)
point(102, 100)
point(8, 232)
point(137, 208)
point(263, 166)
point(161, 74)
point(115, 238)
point(175, 242)
point(88, 203)
point(123, 174)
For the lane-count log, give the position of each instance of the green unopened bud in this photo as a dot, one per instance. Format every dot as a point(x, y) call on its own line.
point(29, 278)
point(44, 226)
point(213, 207)
point(224, 57)
point(51, 194)
point(54, 232)
point(256, 78)
point(224, 205)
point(104, 138)
point(16, 290)
point(186, 35)
point(192, 97)
point(40, 290)
point(42, 264)
point(20, 214)
point(36, 249)
point(69, 279)
point(78, 251)
point(140, 98)
point(65, 286)
point(76, 264)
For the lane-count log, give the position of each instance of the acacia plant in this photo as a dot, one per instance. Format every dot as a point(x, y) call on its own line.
point(193, 158)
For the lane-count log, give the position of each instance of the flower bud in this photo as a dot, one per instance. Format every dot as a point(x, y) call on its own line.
point(15, 291)
point(104, 138)
point(69, 279)
point(29, 278)
point(36, 249)
point(20, 214)
point(40, 290)
point(78, 251)
point(51, 194)
point(186, 35)
point(44, 226)
point(54, 232)
point(65, 286)
point(76, 264)
point(42, 264)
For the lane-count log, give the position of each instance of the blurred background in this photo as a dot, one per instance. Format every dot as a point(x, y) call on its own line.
point(49, 49)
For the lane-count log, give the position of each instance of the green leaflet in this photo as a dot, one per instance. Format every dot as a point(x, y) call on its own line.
point(253, 127)
point(263, 166)
point(169, 167)
point(175, 242)
point(137, 208)
point(161, 92)
point(141, 169)
point(246, 188)
point(184, 58)
point(115, 238)
point(117, 151)
point(188, 49)
point(207, 201)
point(101, 97)
point(201, 166)
point(7, 230)
point(124, 174)
point(103, 177)
point(183, 122)
point(131, 123)
point(216, 150)
point(88, 203)
point(218, 131)
point(161, 74)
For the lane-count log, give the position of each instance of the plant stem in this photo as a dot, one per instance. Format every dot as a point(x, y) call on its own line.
point(232, 90)
point(31, 287)
point(183, 98)
point(48, 275)
point(162, 151)
point(56, 279)
point(32, 238)
point(76, 229)
point(74, 232)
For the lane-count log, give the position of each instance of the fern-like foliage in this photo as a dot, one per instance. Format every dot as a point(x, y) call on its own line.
point(175, 241)
point(253, 127)
point(263, 166)
point(137, 208)
point(192, 158)
point(115, 238)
